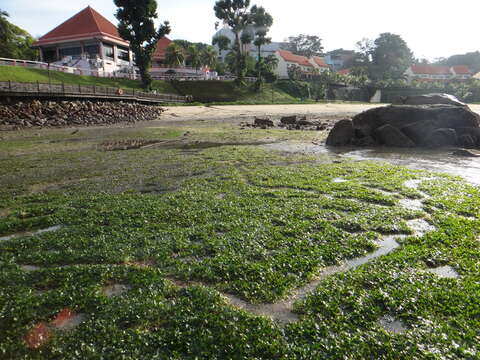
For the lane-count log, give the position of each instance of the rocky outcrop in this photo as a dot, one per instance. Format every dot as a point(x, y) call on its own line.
point(433, 125)
point(429, 99)
point(74, 113)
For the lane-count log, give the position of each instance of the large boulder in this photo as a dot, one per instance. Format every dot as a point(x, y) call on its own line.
point(391, 136)
point(429, 99)
point(442, 138)
point(342, 134)
point(401, 116)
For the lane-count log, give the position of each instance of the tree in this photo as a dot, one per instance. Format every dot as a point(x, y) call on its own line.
point(194, 56)
point(262, 21)
point(15, 42)
point(391, 56)
point(236, 15)
point(136, 25)
point(209, 57)
point(175, 55)
point(305, 45)
point(471, 59)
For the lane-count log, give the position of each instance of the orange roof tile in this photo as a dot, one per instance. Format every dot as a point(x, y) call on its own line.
point(344, 71)
point(161, 48)
point(320, 61)
point(87, 23)
point(461, 70)
point(297, 59)
point(431, 69)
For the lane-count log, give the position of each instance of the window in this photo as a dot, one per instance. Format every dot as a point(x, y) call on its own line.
point(108, 51)
point(73, 52)
point(123, 54)
point(92, 50)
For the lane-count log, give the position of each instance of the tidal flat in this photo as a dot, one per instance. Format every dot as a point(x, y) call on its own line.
point(167, 251)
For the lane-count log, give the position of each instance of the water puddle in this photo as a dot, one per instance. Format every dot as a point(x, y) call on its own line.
point(30, 268)
point(38, 232)
point(412, 184)
point(420, 227)
point(115, 290)
point(303, 148)
point(339, 180)
point(392, 325)
point(411, 204)
point(444, 272)
point(282, 310)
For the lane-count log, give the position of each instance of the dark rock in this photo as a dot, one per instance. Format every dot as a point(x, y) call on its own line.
point(442, 138)
point(467, 141)
point(473, 132)
point(429, 99)
point(401, 116)
point(419, 131)
point(365, 141)
point(263, 122)
point(289, 120)
point(465, 153)
point(342, 134)
point(391, 136)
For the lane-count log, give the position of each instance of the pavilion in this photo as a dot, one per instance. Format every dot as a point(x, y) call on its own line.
point(88, 36)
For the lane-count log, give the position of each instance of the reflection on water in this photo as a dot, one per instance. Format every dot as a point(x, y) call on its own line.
point(421, 159)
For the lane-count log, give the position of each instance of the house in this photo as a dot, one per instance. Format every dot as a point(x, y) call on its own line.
point(427, 72)
point(159, 56)
point(344, 72)
point(461, 72)
point(86, 40)
point(319, 64)
point(337, 59)
point(287, 59)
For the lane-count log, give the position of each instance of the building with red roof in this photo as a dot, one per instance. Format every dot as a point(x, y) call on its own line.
point(158, 57)
point(286, 59)
point(427, 72)
point(319, 63)
point(88, 36)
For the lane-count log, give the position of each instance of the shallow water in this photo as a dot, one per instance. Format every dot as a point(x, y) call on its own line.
point(439, 160)
point(282, 311)
point(38, 232)
point(420, 226)
point(445, 272)
point(393, 325)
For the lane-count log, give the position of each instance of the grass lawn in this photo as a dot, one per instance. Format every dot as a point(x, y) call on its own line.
point(21, 74)
point(155, 241)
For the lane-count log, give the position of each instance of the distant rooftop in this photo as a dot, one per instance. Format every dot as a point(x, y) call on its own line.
point(88, 23)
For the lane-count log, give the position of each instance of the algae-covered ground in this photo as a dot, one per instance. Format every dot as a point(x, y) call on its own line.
point(165, 251)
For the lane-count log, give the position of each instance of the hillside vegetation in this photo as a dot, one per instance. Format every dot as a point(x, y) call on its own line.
point(202, 91)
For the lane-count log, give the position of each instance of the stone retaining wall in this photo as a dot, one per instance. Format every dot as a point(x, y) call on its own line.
point(37, 113)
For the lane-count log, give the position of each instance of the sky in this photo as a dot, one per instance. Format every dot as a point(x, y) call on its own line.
point(431, 28)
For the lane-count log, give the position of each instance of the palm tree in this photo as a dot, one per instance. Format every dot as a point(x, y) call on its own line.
point(175, 55)
point(193, 56)
point(209, 57)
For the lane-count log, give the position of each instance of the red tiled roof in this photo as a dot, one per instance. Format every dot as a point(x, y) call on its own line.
point(344, 72)
point(297, 59)
point(161, 48)
point(86, 24)
point(461, 70)
point(320, 61)
point(431, 70)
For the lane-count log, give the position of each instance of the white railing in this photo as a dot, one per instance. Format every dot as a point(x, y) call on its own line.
point(157, 72)
point(66, 69)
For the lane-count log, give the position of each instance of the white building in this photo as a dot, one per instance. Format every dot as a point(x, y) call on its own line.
point(309, 67)
point(437, 73)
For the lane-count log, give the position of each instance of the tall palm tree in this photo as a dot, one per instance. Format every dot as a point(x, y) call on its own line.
point(209, 57)
point(194, 57)
point(175, 55)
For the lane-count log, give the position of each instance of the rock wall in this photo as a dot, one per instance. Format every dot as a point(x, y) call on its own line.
point(37, 113)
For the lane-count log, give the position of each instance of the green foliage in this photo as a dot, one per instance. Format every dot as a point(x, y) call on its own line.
point(471, 59)
point(15, 43)
point(236, 14)
point(391, 56)
point(175, 54)
point(305, 45)
point(136, 24)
